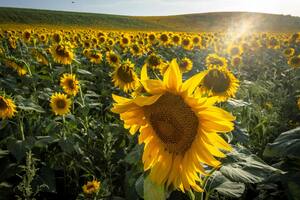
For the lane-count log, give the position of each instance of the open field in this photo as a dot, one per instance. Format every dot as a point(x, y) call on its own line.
point(191, 23)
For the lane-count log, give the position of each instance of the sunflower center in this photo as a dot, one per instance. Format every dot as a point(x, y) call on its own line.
point(3, 104)
point(71, 84)
point(173, 121)
point(176, 39)
point(183, 65)
point(185, 42)
point(61, 103)
point(125, 74)
point(113, 58)
point(216, 81)
point(90, 186)
point(164, 38)
point(153, 61)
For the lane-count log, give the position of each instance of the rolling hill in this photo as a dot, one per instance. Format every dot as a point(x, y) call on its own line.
point(221, 21)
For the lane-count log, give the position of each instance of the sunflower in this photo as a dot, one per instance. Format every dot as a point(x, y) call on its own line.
point(213, 60)
point(27, 36)
point(196, 41)
point(62, 54)
point(57, 37)
point(234, 50)
point(7, 107)
point(298, 103)
point(60, 104)
point(136, 50)
point(70, 84)
point(218, 82)
point(289, 52)
point(91, 187)
point(152, 38)
point(294, 61)
point(124, 41)
point(95, 56)
point(112, 58)
point(178, 128)
point(236, 61)
point(185, 65)
point(164, 38)
point(124, 76)
point(186, 44)
point(176, 39)
point(154, 61)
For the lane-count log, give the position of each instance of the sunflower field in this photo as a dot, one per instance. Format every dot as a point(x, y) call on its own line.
point(93, 114)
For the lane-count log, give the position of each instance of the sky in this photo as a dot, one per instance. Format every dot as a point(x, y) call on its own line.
point(160, 7)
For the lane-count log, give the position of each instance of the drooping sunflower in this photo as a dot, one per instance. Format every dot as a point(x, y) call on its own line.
point(7, 107)
point(213, 60)
point(294, 61)
point(113, 58)
point(60, 104)
point(62, 54)
point(125, 77)
point(218, 82)
point(179, 129)
point(70, 84)
point(185, 65)
point(91, 187)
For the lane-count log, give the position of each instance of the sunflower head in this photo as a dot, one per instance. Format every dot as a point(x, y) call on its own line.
point(7, 107)
point(112, 58)
point(70, 84)
point(213, 60)
point(234, 50)
point(91, 187)
point(218, 82)
point(289, 52)
point(60, 104)
point(62, 54)
point(95, 56)
point(185, 65)
point(294, 61)
point(186, 43)
point(236, 61)
point(125, 77)
point(178, 127)
point(154, 61)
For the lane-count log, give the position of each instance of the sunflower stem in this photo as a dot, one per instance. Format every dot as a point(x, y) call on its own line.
point(64, 123)
point(81, 96)
point(21, 128)
point(204, 184)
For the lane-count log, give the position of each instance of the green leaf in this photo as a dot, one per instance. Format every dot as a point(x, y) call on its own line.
point(242, 166)
point(224, 186)
point(139, 186)
point(84, 72)
point(153, 191)
point(287, 144)
point(135, 155)
point(3, 153)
